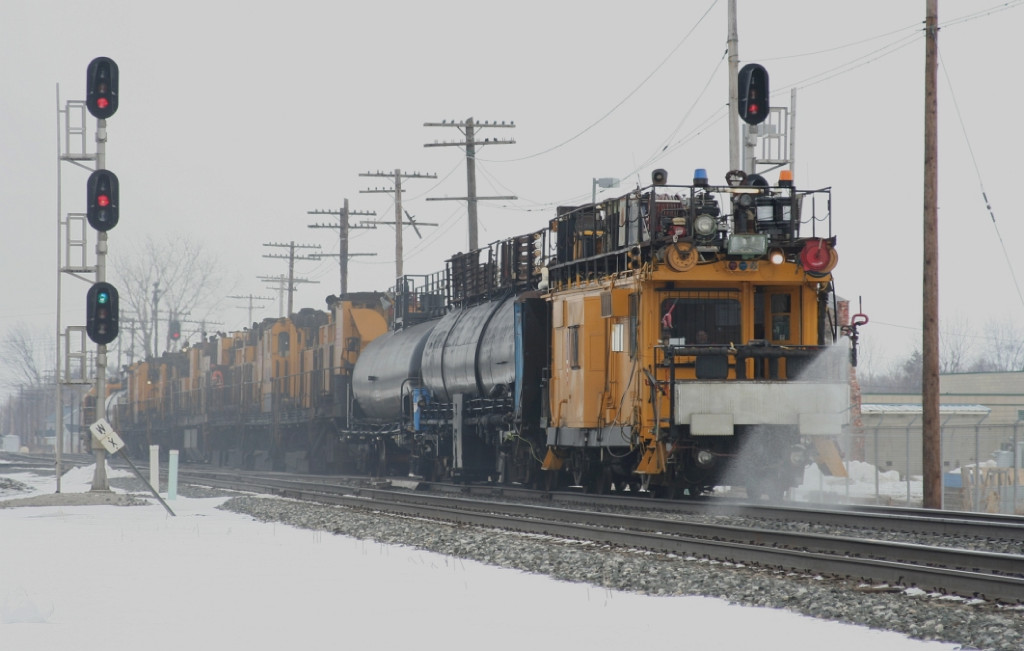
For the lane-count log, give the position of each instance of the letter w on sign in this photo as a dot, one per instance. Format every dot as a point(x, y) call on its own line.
point(103, 432)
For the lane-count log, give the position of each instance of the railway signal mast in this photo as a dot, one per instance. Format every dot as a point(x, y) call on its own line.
point(102, 212)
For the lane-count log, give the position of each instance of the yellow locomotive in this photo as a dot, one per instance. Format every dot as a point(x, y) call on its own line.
point(689, 341)
point(671, 340)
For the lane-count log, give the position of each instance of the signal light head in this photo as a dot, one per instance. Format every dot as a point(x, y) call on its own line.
point(101, 313)
point(753, 93)
point(101, 87)
point(101, 202)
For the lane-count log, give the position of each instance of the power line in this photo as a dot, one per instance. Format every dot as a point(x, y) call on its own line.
point(981, 184)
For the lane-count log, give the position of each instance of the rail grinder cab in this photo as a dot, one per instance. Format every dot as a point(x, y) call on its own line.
point(692, 340)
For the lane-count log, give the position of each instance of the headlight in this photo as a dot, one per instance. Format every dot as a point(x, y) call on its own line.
point(797, 456)
point(704, 458)
point(748, 245)
point(705, 225)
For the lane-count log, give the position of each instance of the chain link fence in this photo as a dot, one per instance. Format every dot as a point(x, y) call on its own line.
point(982, 465)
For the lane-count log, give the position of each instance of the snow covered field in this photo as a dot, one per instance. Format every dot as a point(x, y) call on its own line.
point(133, 577)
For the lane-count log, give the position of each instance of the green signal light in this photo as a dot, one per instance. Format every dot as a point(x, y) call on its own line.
point(102, 298)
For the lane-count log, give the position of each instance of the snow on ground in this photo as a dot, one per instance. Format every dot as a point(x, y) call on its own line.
point(115, 578)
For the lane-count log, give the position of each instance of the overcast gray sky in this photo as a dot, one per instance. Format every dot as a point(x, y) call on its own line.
point(236, 118)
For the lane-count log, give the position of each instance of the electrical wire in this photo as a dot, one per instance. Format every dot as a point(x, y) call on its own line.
point(629, 95)
point(885, 50)
point(981, 183)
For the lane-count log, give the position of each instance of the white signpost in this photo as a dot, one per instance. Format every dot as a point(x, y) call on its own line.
point(104, 433)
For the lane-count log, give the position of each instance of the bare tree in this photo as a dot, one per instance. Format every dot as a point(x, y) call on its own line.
point(1002, 347)
point(956, 343)
point(169, 278)
point(27, 373)
point(26, 359)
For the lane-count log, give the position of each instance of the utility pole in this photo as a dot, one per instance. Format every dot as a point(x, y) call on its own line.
point(343, 227)
point(397, 177)
point(468, 127)
point(129, 322)
point(931, 453)
point(284, 285)
point(251, 298)
point(156, 321)
point(291, 257)
point(734, 93)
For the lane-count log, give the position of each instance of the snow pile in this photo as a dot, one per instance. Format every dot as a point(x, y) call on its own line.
point(865, 481)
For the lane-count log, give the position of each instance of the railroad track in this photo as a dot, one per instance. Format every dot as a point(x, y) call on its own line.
point(991, 576)
point(662, 526)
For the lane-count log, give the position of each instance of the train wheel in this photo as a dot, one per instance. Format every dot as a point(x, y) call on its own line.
point(578, 468)
point(776, 490)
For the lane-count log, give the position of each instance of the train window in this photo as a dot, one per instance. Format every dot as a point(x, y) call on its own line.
point(573, 347)
point(780, 327)
point(618, 337)
point(283, 343)
point(634, 311)
point(781, 307)
point(698, 318)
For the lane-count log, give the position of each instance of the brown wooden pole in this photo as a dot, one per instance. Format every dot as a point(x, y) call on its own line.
point(931, 446)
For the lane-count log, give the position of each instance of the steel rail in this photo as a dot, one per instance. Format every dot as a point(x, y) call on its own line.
point(995, 577)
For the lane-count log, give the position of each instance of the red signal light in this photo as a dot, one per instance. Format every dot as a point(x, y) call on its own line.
point(101, 87)
point(752, 90)
point(101, 200)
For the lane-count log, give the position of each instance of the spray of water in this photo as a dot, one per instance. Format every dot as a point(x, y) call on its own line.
point(762, 463)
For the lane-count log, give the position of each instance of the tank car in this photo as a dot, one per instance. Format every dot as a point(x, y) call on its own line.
point(457, 380)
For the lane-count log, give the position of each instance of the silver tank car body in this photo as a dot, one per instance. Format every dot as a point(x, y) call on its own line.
point(384, 369)
point(472, 351)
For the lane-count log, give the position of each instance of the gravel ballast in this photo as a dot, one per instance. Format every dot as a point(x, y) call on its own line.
point(971, 623)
